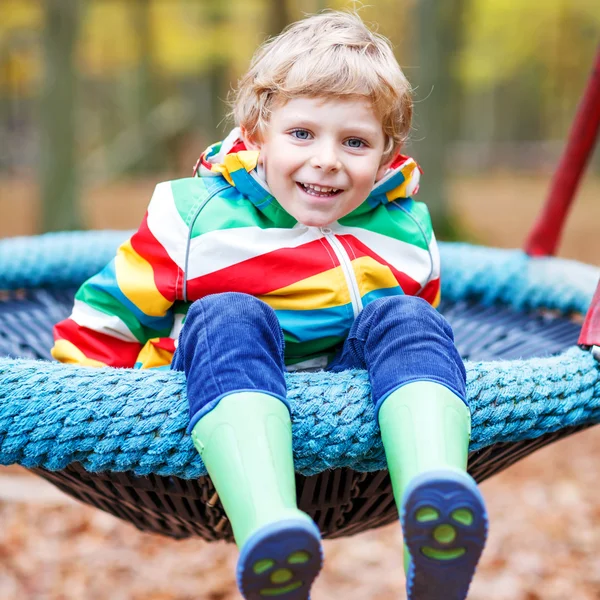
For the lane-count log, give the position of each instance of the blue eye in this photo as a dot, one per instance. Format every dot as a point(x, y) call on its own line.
point(301, 134)
point(355, 143)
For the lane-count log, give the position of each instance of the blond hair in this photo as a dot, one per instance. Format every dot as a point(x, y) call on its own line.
point(332, 54)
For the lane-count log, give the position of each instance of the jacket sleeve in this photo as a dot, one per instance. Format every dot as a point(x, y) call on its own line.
point(431, 291)
point(123, 316)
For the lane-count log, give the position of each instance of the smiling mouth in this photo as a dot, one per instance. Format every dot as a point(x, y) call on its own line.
point(319, 191)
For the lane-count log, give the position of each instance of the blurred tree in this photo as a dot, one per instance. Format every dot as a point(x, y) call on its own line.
point(533, 58)
point(57, 116)
point(153, 151)
point(218, 78)
point(278, 16)
point(438, 37)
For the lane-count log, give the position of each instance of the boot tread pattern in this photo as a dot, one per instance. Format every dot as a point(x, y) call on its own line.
point(445, 527)
point(280, 560)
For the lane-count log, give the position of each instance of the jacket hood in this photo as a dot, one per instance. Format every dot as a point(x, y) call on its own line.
point(239, 166)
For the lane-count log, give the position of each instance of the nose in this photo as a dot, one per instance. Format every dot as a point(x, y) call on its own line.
point(325, 158)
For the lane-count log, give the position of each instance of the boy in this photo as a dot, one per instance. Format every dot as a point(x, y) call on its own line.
point(297, 245)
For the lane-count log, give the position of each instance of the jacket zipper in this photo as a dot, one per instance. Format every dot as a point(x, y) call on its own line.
point(346, 265)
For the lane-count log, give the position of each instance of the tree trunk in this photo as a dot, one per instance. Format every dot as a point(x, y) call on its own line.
point(278, 16)
point(217, 77)
point(438, 36)
point(60, 208)
point(153, 150)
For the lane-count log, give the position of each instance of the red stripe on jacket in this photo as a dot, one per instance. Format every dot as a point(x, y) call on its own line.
point(167, 274)
point(98, 346)
point(268, 272)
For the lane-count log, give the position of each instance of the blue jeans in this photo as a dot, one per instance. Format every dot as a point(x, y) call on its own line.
point(233, 342)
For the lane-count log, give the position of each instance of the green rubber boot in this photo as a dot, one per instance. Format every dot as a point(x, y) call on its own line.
point(246, 445)
point(425, 430)
point(424, 426)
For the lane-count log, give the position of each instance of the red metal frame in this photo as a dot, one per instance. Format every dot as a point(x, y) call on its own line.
point(544, 237)
point(590, 331)
point(545, 234)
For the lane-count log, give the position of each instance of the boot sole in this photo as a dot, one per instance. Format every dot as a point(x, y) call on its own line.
point(281, 560)
point(445, 526)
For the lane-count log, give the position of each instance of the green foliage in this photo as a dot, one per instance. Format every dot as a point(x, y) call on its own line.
point(533, 58)
point(502, 37)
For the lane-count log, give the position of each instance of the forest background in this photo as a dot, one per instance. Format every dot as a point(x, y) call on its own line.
point(102, 99)
point(95, 92)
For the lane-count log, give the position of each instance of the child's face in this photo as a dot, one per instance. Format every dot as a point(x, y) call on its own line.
point(322, 156)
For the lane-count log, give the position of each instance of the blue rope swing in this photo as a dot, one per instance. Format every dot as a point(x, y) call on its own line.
point(52, 415)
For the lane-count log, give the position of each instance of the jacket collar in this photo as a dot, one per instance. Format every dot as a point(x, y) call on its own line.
point(239, 166)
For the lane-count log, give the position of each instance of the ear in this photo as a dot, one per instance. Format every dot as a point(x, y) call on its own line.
point(383, 168)
point(252, 143)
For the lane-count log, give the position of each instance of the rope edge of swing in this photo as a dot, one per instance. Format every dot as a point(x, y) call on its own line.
point(52, 415)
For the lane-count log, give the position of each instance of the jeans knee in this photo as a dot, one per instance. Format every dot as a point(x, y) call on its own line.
point(227, 303)
point(407, 312)
point(405, 338)
point(404, 307)
point(233, 311)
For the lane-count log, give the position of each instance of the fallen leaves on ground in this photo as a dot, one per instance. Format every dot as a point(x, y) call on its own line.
point(544, 545)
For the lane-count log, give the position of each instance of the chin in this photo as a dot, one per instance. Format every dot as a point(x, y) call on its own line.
point(314, 222)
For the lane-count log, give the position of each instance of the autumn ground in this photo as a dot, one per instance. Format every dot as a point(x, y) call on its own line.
point(545, 512)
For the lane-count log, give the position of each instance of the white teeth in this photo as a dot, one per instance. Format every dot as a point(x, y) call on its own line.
point(320, 189)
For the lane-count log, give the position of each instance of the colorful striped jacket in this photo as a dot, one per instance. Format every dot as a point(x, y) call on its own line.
point(222, 230)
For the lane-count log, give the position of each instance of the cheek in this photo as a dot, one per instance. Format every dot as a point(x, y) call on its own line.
point(365, 178)
point(363, 171)
point(282, 162)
